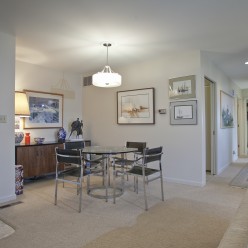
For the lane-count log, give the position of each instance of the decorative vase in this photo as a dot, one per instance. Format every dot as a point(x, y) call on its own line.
point(61, 135)
point(19, 137)
point(27, 138)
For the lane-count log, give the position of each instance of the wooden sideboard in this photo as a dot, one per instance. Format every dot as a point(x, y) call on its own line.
point(38, 159)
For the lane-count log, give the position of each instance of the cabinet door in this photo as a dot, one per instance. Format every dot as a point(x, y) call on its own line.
point(48, 164)
point(37, 160)
point(34, 161)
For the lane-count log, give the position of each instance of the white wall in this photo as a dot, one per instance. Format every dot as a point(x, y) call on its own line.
point(37, 78)
point(7, 141)
point(226, 138)
point(182, 144)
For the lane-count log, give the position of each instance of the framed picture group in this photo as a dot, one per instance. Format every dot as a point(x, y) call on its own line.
point(183, 110)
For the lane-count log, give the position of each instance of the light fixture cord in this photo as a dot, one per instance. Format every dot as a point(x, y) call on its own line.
point(107, 54)
point(107, 45)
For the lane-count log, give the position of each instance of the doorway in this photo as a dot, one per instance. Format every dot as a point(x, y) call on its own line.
point(242, 132)
point(210, 120)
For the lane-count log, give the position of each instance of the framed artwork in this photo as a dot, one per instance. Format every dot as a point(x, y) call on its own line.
point(182, 87)
point(226, 110)
point(183, 112)
point(46, 110)
point(136, 106)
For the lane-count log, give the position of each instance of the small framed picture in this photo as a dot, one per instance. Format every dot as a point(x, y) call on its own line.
point(182, 87)
point(183, 113)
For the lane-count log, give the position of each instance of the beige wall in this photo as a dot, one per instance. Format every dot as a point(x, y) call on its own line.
point(182, 159)
point(226, 139)
point(184, 146)
point(37, 78)
point(7, 151)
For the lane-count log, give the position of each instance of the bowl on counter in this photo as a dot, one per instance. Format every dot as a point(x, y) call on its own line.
point(39, 140)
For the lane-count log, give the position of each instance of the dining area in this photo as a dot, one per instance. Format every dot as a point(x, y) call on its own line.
point(79, 164)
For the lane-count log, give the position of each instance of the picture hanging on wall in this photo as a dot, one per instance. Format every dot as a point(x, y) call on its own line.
point(183, 112)
point(135, 106)
point(226, 110)
point(182, 87)
point(46, 110)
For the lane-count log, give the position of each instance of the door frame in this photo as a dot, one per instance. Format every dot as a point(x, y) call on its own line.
point(213, 107)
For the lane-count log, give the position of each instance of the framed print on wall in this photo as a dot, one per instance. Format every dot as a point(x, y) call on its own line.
point(183, 113)
point(46, 110)
point(182, 87)
point(226, 110)
point(136, 106)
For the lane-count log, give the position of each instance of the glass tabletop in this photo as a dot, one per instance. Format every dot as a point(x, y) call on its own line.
point(108, 149)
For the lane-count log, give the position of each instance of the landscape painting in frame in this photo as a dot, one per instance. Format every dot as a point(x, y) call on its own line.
point(135, 106)
point(226, 110)
point(46, 110)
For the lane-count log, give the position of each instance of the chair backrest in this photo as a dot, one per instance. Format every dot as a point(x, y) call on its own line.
point(152, 154)
point(68, 156)
point(76, 145)
point(139, 145)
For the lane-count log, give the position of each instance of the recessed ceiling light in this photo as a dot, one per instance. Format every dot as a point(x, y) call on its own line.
point(246, 62)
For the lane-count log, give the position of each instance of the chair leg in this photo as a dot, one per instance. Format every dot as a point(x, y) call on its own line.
point(122, 177)
point(145, 197)
point(136, 184)
point(56, 191)
point(78, 187)
point(106, 172)
point(80, 197)
point(114, 184)
point(162, 186)
point(88, 183)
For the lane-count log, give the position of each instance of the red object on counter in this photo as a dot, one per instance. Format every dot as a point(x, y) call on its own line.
point(27, 138)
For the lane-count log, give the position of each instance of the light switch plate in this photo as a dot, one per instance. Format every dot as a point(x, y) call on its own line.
point(162, 111)
point(3, 118)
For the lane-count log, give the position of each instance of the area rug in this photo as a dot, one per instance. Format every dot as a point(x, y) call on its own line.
point(5, 230)
point(175, 223)
point(241, 179)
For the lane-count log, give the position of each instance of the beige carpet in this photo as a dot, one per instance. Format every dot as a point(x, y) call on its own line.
point(241, 179)
point(191, 217)
point(175, 223)
point(5, 230)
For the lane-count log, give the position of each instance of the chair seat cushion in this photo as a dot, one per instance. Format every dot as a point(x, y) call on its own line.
point(75, 172)
point(137, 170)
point(122, 161)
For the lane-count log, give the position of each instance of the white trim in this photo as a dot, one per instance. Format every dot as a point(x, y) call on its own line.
point(187, 182)
point(7, 199)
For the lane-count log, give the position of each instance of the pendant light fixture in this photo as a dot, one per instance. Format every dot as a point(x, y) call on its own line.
point(106, 78)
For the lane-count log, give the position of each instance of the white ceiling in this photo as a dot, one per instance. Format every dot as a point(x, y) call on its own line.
point(68, 34)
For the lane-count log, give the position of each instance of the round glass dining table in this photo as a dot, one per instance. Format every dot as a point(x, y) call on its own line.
point(107, 152)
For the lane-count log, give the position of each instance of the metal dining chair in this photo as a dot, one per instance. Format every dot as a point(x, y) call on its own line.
point(149, 168)
point(93, 164)
point(71, 174)
point(126, 163)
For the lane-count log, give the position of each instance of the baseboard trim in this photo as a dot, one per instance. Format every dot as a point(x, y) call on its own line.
point(7, 199)
point(186, 182)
